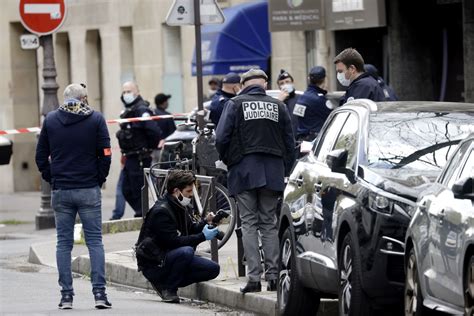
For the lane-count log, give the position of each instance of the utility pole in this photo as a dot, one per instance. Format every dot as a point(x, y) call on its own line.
point(45, 215)
point(197, 33)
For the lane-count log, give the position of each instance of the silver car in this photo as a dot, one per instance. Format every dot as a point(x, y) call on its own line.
point(439, 253)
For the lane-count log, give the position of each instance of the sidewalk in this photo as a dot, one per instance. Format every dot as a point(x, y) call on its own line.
point(121, 268)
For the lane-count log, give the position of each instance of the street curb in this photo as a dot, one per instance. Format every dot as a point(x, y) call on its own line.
point(120, 270)
point(35, 257)
point(121, 225)
point(111, 227)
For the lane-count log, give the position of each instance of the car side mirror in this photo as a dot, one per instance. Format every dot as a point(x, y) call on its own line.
point(337, 160)
point(463, 187)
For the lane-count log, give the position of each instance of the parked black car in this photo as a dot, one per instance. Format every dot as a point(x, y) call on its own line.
point(349, 201)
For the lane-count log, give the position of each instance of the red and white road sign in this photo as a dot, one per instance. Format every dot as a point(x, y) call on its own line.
point(42, 17)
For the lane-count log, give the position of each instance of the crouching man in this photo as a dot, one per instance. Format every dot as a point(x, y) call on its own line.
point(168, 238)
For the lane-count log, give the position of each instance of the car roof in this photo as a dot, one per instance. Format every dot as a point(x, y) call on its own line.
point(412, 106)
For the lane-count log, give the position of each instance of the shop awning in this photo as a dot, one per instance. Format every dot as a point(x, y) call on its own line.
point(240, 43)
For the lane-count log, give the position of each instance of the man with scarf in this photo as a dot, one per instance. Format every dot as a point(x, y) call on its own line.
point(171, 229)
point(137, 140)
point(73, 154)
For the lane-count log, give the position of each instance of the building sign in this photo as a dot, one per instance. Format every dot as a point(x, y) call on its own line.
point(354, 14)
point(295, 15)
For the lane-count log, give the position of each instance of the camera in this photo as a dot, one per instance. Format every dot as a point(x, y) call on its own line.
point(221, 214)
point(220, 233)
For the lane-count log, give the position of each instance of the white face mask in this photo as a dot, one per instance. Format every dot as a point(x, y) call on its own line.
point(341, 77)
point(129, 98)
point(288, 87)
point(184, 201)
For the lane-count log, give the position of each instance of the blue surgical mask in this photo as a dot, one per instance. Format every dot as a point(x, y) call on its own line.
point(289, 87)
point(128, 98)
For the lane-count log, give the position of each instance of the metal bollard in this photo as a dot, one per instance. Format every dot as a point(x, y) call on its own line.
point(240, 245)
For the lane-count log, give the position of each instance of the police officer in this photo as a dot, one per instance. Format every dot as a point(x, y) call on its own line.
point(137, 140)
point(287, 94)
point(230, 88)
point(167, 126)
point(387, 90)
point(351, 74)
point(255, 140)
point(312, 107)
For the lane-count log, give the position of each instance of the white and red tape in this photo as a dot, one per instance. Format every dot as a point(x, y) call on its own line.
point(132, 119)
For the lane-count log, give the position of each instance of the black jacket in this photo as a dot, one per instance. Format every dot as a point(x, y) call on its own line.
point(138, 136)
point(259, 126)
point(312, 110)
point(167, 126)
point(363, 87)
point(171, 226)
point(290, 105)
point(73, 150)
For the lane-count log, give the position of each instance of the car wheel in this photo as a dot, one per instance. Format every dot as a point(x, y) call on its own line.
point(412, 294)
point(469, 288)
point(352, 300)
point(292, 297)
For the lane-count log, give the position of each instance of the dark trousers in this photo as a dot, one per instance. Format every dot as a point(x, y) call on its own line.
point(182, 268)
point(133, 181)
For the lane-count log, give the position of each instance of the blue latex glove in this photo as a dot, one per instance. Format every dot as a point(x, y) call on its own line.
point(209, 233)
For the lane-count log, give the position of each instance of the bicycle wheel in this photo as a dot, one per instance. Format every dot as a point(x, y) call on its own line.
point(227, 204)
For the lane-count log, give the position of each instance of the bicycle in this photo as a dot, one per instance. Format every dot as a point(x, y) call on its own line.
point(202, 195)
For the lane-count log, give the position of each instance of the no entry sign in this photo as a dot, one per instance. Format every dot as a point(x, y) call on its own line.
point(42, 17)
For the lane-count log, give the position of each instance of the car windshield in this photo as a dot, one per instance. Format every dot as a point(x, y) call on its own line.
point(415, 141)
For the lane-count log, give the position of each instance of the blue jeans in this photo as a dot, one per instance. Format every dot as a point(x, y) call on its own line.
point(182, 268)
point(119, 209)
point(66, 204)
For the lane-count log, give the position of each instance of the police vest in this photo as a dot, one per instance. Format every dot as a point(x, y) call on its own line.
point(131, 138)
point(257, 127)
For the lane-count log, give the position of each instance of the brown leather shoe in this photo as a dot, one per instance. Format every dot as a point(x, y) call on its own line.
point(251, 287)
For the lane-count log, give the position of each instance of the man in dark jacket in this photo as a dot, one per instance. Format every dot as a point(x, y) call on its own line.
point(387, 90)
point(73, 154)
point(167, 126)
point(137, 140)
point(288, 95)
point(350, 73)
point(230, 88)
point(255, 140)
point(173, 230)
point(312, 107)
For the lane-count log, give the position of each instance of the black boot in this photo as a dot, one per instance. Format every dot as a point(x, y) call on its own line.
point(272, 285)
point(170, 296)
point(251, 287)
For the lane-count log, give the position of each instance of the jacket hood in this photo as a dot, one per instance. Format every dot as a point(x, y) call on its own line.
point(69, 118)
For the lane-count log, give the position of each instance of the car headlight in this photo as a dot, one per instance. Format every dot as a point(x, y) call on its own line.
point(385, 205)
point(380, 203)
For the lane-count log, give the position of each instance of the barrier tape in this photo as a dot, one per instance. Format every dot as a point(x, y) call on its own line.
point(125, 120)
